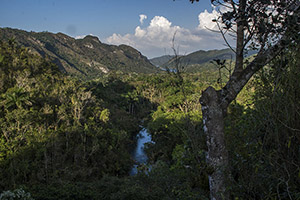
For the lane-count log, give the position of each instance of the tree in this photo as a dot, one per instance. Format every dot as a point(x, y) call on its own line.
point(268, 26)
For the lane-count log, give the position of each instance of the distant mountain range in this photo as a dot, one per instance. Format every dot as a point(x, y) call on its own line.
point(200, 57)
point(87, 57)
point(197, 61)
point(160, 61)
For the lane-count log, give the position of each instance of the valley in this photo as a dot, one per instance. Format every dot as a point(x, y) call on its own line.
point(80, 119)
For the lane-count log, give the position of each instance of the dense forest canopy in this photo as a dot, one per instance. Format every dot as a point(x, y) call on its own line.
point(62, 137)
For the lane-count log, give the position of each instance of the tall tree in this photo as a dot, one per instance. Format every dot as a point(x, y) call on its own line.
point(268, 26)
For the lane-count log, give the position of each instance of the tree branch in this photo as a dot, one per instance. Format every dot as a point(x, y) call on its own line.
point(238, 81)
point(223, 35)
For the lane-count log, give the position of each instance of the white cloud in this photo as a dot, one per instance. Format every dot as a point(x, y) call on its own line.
point(205, 20)
point(79, 37)
point(154, 39)
point(142, 18)
point(139, 32)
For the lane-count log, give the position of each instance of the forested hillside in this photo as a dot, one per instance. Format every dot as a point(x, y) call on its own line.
point(63, 138)
point(85, 58)
point(56, 129)
point(200, 57)
point(85, 120)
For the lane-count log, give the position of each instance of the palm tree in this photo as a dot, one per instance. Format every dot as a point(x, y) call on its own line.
point(15, 98)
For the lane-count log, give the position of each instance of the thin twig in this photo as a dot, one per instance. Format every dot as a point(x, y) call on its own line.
point(223, 35)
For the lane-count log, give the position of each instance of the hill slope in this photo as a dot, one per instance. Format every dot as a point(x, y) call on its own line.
point(87, 57)
point(200, 58)
point(159, 61)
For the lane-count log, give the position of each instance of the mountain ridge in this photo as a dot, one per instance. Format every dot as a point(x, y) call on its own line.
point(199, 58)
point(87, 57)
point(159, 61)
point(197, 61)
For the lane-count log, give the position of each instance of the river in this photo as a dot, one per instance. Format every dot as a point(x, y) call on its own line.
point(139, 154)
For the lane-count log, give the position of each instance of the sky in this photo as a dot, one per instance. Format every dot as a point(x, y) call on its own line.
point(147, 25)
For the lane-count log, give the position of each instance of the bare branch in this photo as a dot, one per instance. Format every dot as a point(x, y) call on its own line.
point(225, 39)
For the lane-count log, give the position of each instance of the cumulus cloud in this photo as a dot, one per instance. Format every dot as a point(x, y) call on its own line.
point(205, 20)
point(154, 39)
point(157, 35)
point(142, 18)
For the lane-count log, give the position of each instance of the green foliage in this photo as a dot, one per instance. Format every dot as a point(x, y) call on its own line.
point(85, 58)
point(104, 116)
point(261, 131)
point(54, 128)
point(17, 194)
point(199, 61)
point(62, 138)
point(161, 184)
point(264, 142)
point(177, 154)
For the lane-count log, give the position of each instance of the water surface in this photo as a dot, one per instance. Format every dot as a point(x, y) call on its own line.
point(139, 154)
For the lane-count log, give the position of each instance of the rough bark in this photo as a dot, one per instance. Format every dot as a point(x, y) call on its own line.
point(214, 108)
point(239, 60)
point(217, 155)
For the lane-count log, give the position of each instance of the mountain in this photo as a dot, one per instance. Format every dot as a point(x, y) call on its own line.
point(199, 58)
point(87, 57)
point(159, 61)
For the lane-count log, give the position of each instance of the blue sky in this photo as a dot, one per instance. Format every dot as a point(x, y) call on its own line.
point(147, 25)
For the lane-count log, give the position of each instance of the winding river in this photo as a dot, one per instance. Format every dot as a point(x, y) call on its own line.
point(139, 154)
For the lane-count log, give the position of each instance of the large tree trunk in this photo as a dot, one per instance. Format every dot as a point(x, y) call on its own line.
point(215, 103)
point(217, 155)
point(214, 108)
